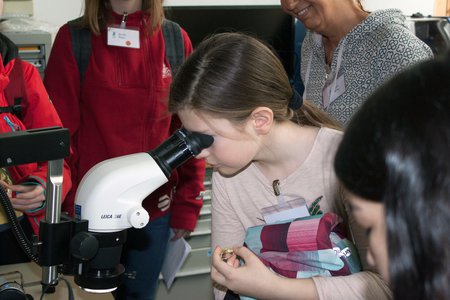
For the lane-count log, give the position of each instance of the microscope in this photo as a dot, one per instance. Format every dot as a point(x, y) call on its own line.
point(108, 202)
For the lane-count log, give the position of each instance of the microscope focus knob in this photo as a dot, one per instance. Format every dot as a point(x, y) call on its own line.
point(84, 246)
point(138, 217)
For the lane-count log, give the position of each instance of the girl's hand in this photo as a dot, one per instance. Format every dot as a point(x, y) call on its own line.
point(27, 197)
point(179, 233)
point(251, 279)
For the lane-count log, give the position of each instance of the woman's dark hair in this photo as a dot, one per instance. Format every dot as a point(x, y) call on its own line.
point(231, 74)
point(396, 150)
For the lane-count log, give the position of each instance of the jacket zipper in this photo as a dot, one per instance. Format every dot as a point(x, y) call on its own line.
point(13, 126)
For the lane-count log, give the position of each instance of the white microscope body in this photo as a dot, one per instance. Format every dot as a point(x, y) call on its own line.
point(110, 195)
point(110, 198)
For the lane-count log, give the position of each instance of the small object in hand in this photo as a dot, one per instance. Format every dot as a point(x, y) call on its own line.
point(226, 254)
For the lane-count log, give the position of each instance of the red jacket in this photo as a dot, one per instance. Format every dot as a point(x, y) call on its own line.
point(37, 112)
point(121, 108)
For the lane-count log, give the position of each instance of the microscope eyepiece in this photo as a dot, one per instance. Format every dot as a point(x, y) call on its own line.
point(196, 141)
point(180, 147)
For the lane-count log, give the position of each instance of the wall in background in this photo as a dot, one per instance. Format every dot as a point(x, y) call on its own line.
point(409, 7)
point(442, 7)
point(57, 12)
point(60, 11)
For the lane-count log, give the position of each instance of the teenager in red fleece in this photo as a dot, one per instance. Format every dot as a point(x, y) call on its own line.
point(120, 107)
point(26, 183)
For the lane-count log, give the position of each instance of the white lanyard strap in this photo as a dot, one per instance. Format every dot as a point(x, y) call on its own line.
point(318, 39)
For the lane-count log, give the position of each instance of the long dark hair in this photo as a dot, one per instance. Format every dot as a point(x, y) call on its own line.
point(396, 150)
point(231, 74)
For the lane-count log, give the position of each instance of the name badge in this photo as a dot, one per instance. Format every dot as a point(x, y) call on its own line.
point(123, 37)
point(329, 94)
point(339, 88)
point(289, 210)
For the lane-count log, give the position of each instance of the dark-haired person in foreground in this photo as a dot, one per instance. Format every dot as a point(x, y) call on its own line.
point(394, 160)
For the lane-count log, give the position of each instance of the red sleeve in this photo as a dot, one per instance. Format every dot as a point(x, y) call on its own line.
point(187, 44)
point(62, 81)
point(39, 112)
point(187, 201)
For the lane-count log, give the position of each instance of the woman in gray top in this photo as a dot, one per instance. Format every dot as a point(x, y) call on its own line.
point(348, 52)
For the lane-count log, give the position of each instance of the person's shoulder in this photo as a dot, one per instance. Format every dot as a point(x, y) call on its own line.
point(167, 22)
point(186, 40)
point(29, 70)
point(386, 30)
point(388, 24)
point(330, 132)
point(329, 137)
point(63, 41)
point(62, 36)
point(381, 25)
point(324, 149)
point(188, 48)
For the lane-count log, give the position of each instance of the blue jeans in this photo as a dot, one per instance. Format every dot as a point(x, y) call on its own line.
point(143, 255)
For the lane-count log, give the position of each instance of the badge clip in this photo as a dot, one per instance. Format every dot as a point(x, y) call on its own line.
point(283, 211)
point(123, 24)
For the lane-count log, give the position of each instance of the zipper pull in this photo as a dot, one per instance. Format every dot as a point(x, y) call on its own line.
point(277, 191)
point(123, 24)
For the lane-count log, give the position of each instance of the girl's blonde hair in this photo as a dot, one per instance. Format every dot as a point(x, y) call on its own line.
point(97, 14)
point(231, 74)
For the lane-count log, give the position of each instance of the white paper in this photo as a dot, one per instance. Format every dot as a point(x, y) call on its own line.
point(289, 214)
point(177, 252)
point(285, 211)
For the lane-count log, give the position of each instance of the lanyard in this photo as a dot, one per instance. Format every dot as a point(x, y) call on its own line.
point(123, 24)
point(317, 40)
